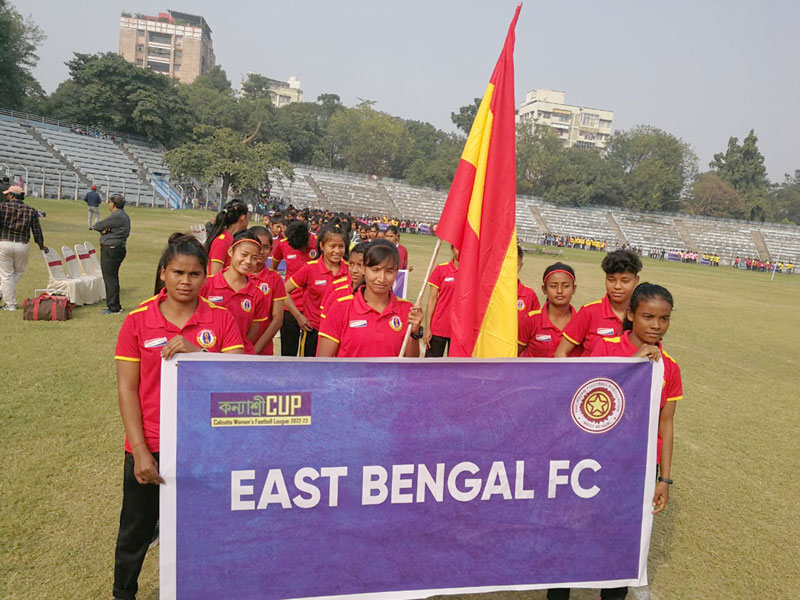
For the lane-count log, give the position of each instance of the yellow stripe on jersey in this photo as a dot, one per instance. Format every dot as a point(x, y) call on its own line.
point(613, 340)
point(127, 359)
point(593, 303)
point(212, 304)
point(433, 284)
point(138, 310)
point(675, 399)
point(150, 299)
point(333, 339)
point(281, 298)
point(222, 262)
point(535, 312)
point(565, 336)
point(343, 298)
point(260, 320)
point(236, 347)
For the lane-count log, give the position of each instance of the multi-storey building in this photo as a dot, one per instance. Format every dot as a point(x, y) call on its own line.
point(173, 43)
point(576, 125)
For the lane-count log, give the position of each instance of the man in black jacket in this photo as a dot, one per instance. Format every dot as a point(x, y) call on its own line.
point(93, 200)
point(114, 231)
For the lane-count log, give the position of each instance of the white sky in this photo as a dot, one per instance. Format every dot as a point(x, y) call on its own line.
point(702, 70)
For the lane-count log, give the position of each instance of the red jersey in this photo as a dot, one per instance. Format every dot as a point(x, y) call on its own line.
point(593, 322)
point(538, 334)
point(526, 299)
point(443, 278)
point(248, 305)
point(271, 285)
point(295, 260)
point(218, 252)
point(401, 250)
point(342, 286)
point(314, 279)
point(671, 387)
point(361, 331)
point(145, 331)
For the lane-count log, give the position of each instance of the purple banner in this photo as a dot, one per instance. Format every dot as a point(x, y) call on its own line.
point(405, 478)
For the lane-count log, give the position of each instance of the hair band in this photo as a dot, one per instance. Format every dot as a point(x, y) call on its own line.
point(256, 242)
point(571, 275)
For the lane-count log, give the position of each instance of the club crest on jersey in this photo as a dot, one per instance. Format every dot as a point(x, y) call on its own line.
point(155, 342)
point(520, 304)
point(598, 405)
point(312, 254)
point(215, 298)
point(605, 331)
point(358, 323)
point(264, 287)
point(543, 337)
point(247, 305)
point(396, 323)
point(206, 338)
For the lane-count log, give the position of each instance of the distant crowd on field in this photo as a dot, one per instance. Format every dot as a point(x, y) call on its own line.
point(755, 264)
point(578, 242)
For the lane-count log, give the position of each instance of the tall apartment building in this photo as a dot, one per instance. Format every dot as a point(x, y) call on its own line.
point(576, 125)
point(173, 43)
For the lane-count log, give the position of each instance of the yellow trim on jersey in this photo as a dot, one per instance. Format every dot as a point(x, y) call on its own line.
point(535, 312)
point(127, 359)
point(592, 303)
point(613, 340)
point(229, 348)
point(293, 282)
point(281, 298)
point(340, 280)
point(222, 262)
point(675, 399)
point(212, 304)
point(313, 262)
point(138, 310)
point(444, 264)
point(343, 298)
point(322, 316)
point(221, 236)
point(260, 320)
point(333, 339)
point(434, 285)
point(564, 335)
point(403, 300)
point(150, 299)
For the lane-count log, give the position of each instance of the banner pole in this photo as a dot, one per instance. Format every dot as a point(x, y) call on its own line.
point(421, 294)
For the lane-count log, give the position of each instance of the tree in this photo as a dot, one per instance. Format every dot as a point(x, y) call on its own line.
point(786, 198)
point(742, 166)
point(245, 167)
point(216, 79)
point(438, 166)
point(19, 38)
point(540, 156)
point(256, 86)
point(712, 196)
point(363, 140)
point(465, 116)
point(655, 167)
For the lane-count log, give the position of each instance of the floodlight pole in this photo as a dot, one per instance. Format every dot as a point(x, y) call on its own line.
point(775, 266)
point(44, 174)
point(59, 185)
point(77, 183)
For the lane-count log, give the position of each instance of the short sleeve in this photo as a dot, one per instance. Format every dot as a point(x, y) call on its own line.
point(218, 251)
point(261, 307)
point(277, 253)
point(300, 278)
point(576, 329)
point(534, 301)
point(230, 336)
point(128, 348)
point(674, 383)
point(278, 289)
point(436, 277)
point(332, 324)
point(525, 328)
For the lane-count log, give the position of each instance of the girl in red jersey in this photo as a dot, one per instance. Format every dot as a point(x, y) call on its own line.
point(526, 297)
point(234, 289)
point(603, 318)
point(540, 330)
point(313, 279)
point(176, 320)
point(230, 220)
point(344, 286)
point(297, 248)
point(394, 236)
point(271, 285)
point(437, 316)
point(372, 321)
point(646, 322)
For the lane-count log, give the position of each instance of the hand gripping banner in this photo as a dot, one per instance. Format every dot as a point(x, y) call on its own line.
point(389, 478)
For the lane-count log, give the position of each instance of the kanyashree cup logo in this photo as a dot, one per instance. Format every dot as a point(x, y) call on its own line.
point(260, 409)
point(598, 405)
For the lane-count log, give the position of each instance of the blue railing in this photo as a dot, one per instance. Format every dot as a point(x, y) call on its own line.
point(167, 192)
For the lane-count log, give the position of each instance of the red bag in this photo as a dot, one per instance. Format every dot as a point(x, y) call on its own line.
point(47, 307)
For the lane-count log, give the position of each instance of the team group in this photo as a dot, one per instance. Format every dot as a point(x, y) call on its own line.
point(337, 301)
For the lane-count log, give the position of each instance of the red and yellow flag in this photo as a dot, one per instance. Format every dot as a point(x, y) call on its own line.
point(479, 220)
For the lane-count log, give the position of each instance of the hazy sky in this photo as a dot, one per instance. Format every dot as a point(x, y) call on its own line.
point(703, 70)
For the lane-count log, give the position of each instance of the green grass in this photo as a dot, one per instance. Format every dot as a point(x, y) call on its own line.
point(730, 530)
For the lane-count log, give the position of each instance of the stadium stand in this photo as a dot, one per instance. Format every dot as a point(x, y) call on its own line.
point(725, 238)
point(590, 222)
point(648, 231)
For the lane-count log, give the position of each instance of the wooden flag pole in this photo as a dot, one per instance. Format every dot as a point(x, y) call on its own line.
point(421, 294)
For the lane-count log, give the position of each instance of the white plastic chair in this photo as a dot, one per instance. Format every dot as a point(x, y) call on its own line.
point(93, 258)
point(74, 289)
point(93, 284)
point(87, 267)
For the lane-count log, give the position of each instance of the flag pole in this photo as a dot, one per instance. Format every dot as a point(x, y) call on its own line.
point(421, 294)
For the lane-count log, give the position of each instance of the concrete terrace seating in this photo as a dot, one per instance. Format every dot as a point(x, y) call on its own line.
point(589, 222)
point(150, 157)
point(18, 148)
point(298, 192)
point(100, 158)
point(416, 203)
point(725, 238)
point(527, 228)
point(351, 193)
point(783, 243)
point(649, 231)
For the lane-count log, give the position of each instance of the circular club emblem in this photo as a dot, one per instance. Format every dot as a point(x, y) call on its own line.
point(520, 304)
point(395, 323)
point(312, 254)
point(206, 338)
point(264, 287)
point(598, 405)
point(247, 305)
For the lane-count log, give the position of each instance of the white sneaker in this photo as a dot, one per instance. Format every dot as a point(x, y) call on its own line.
point(9, 308)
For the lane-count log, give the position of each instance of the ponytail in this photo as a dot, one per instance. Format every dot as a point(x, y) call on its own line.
point(179, 244)
point(230, 213)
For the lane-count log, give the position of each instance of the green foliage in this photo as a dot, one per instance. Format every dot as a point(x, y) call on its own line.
point(742, 166)
point(465, 116)
point(19, 38)
point(712, 196)
point(786, 199)
point(222, 153)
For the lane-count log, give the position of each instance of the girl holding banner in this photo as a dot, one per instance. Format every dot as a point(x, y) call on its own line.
point(372, 321)
point(176, 320)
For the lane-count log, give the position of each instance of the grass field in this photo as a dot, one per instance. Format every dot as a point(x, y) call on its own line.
point(731, 529)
